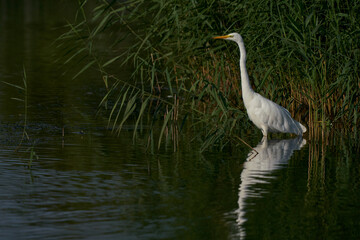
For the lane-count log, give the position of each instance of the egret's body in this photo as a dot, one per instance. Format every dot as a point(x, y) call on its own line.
point(264, 113)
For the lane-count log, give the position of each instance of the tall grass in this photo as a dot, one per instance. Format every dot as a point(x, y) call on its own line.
point(25, 137)
point(301, 54)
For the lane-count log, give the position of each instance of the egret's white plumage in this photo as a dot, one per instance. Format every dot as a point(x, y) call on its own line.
point(264, 113)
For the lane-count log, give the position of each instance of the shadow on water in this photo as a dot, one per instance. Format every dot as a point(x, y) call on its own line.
point(267, 156)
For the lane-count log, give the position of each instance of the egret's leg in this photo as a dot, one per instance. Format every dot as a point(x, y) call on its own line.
point(264, 142)
point(264, 131)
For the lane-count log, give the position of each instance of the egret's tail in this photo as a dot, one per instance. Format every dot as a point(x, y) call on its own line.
point(303, 128)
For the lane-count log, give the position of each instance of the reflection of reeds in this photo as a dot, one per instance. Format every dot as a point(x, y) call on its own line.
point(332, 179)
point(316, 160)
point(303, 56)
point(321, 142)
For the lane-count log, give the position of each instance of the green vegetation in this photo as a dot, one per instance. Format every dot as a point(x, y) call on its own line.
point(303, 55)
point(25, 137)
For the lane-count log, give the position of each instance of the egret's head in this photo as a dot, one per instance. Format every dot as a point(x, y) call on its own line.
point(232, 36)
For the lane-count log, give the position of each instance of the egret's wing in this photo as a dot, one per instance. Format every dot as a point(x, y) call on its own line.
point(288, 123)
point(275, 117)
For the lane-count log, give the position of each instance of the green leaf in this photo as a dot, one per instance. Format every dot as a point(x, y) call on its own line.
point(166, 120)
point(85, 68)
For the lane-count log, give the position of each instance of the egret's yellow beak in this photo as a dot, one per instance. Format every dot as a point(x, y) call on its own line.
point(222, 37)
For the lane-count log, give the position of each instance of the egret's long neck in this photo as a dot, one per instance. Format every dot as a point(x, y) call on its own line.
point(247, 91)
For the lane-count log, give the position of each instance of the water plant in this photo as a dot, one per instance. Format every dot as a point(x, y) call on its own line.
point(303, 55)
point(25, 137)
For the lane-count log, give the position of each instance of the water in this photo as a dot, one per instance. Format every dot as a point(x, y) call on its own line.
point(89, 184)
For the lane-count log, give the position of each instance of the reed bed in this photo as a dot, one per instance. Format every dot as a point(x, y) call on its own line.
point(303, 55)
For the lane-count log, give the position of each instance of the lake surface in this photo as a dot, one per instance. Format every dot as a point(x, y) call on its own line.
point(89, 184)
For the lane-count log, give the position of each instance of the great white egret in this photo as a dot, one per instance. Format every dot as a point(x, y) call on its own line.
point(264, 113)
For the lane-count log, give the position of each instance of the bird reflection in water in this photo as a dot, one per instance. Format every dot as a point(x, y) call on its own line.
point(267, 156)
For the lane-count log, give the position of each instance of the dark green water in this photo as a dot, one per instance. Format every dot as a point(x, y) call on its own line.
point(89, 184)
